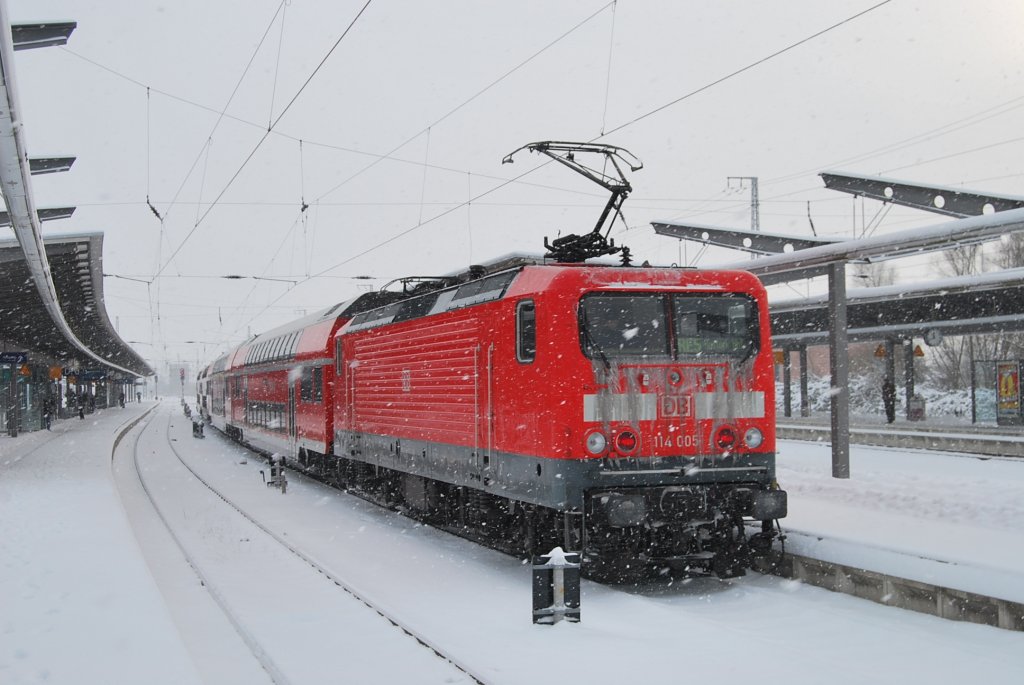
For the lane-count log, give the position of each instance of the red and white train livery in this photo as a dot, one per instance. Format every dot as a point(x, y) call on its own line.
point(626, 412)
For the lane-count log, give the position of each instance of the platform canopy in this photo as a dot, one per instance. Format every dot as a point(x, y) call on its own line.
point(76, 266)
point(961, 305)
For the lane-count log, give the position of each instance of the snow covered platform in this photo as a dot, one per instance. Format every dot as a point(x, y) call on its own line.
point(79, 604)
point(946, 519)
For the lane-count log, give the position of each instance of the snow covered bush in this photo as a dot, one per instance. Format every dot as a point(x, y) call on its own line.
point(866, 398)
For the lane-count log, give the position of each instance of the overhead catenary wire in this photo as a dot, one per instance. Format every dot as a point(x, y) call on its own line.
point(466, 102)
point(950, 127)
point(302, 211)
point(266, 134)
point(149, 162)
point(393, 238)
point(956, 125)
point(469, 214)
point(470, 194)
point(354, 151)
point(741, 70)
point(222, 113)
point(631, 122)
point(277, 69)
point(955, 154)
point(423, 185)
point(608, 75)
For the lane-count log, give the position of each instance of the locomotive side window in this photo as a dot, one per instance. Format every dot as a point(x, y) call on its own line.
point(483, 290)
point(624, 325)
point(526, 331)
point(338, 359)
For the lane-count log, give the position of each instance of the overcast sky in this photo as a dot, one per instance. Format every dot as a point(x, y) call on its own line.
point(921, 90)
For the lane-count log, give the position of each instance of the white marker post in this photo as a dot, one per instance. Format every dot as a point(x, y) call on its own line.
point(556, 587)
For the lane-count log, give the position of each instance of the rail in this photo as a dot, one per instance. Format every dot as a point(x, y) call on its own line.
point(967, 439)
point(262, 656)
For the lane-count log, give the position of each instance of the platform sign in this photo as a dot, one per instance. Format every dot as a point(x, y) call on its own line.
point(18, 358)
point(1007, 390)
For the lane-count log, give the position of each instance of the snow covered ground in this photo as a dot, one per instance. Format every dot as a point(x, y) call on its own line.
point(83, 601)
point(937, 517)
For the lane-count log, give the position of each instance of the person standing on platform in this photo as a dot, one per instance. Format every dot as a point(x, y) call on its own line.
point(889, 400)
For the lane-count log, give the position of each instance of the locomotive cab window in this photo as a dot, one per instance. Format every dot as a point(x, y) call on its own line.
point(715, 326)
point(526, 331)
point(668, 325)
point(624, 325)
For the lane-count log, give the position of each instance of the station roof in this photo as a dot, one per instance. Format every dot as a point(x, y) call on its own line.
point(77, 271)
point(986, 303)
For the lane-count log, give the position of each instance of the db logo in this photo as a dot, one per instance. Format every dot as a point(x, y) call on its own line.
point(676, 405)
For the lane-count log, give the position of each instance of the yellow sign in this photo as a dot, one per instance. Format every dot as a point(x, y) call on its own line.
point(880, 351)
point(1008, 388)
point(918, 352)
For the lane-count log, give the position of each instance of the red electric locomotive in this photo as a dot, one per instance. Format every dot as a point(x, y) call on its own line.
point(627, 412)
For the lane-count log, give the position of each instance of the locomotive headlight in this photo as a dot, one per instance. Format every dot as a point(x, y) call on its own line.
point(753, 438)
point(596, 443)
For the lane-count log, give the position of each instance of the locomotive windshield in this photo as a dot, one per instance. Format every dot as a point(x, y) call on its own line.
point(677, 326)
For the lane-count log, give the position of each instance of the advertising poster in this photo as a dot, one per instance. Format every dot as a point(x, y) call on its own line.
point(1008, 389)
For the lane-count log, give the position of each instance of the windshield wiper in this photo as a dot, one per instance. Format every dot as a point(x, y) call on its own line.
point(589, 341)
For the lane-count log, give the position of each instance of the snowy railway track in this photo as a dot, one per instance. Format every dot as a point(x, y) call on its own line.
point(973, 443)
point(443, 586)
point(243, 618)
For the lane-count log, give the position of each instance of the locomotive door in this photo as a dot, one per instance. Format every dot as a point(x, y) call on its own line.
point(484, 405)
point(355, 435)
point(292, 428)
